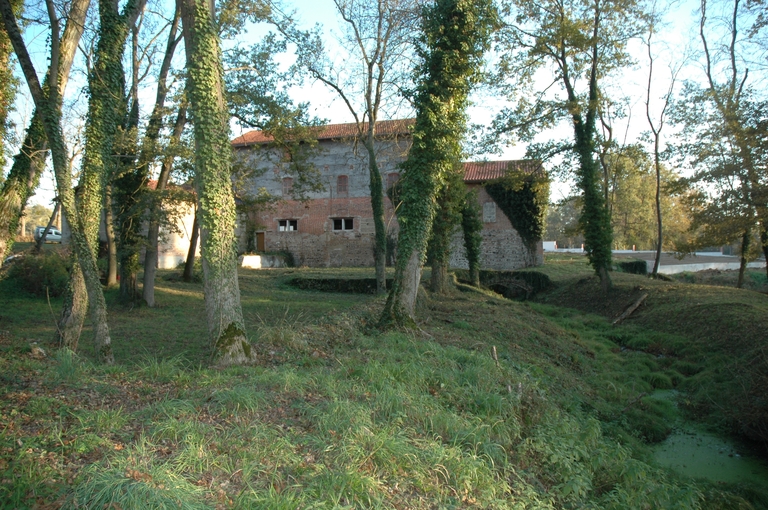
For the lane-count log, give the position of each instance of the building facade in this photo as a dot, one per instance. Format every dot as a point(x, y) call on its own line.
point(334, 227)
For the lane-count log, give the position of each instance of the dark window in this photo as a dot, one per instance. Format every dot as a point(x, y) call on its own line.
point(341, 184)
point(287, 225)
point(392, 179)
point(287, 186)
point(343, 224)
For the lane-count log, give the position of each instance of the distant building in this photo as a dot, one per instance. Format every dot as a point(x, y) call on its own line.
point(334, 227)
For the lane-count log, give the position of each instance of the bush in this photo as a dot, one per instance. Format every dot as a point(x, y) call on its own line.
point(37, 273)
point(633, 267)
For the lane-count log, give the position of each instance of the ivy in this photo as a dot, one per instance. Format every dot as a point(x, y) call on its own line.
point(455, 34)
point(523, 198)
point(472, 226)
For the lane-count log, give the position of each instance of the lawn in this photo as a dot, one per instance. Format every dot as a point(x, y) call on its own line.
point(490, 404)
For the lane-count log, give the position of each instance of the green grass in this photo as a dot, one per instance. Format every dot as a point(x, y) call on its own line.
point(336, 415)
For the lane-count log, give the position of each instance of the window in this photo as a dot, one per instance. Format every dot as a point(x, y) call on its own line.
point(341, 184)
point(392, 179)
point(287, 225)
point(287, 186)
point(489, 212)
point(343, 224)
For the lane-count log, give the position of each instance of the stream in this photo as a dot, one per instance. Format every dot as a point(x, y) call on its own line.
point(693, 451)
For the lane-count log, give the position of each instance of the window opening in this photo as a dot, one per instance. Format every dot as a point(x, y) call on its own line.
point(343, 223)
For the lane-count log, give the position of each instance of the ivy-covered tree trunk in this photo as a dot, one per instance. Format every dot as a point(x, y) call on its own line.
point(226, 329)
point(7, 87)
point(454, 36)
point(595, 218)
point(472, 226)
point(48, 101)
point(376, 188)
point(447, 218)
point(29, 163)
point(73, 312)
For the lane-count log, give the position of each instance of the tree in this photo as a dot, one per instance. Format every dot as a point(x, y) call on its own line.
point(48, 101)
point(378, 39)
point(656, 127)
point(8, 84)
point(724, 136)
point(582, 42)
point(632, 191)
point(29, 163)
point(472, 226)
point(226, 328)
point(454, 37)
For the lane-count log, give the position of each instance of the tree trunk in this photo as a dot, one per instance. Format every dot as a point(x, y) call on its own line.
point(148, 153)
point(74, 310)
point(455, 36)
point(109, 230)
point(49, 102)
point(29, 163)
point(659, 230)
point(472, 226)
point(39, 243)
point(226, 329)
point(153, 232)
point(439, 280)
point(746, 241)
point(189, 264)
point(377, 205)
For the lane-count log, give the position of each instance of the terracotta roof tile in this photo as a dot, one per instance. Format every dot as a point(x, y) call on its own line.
point(333, 131)
point(477, 172)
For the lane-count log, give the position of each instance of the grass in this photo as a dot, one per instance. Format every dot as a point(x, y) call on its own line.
point(336, 415)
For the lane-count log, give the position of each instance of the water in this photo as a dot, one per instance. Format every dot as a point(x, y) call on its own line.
point(692, 451)
point(700, 454)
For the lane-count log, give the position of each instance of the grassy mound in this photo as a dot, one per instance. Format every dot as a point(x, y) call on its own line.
point(718, 335)
point(492, 404)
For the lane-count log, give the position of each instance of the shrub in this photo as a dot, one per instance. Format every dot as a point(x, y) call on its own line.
point(37, 274)
point(633, 267)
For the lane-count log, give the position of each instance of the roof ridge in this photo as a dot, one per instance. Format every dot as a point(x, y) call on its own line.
point(333, 131)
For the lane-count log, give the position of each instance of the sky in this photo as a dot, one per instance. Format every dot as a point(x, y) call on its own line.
point(325, 103)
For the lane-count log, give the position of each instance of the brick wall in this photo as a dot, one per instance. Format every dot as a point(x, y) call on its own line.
point(315, 243)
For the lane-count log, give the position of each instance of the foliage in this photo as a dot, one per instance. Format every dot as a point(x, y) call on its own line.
point(43, 274)
point(523, 198)
point(633, 266)
point(724, 129)
point(631, 198)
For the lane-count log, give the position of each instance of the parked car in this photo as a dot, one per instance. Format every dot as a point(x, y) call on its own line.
point(54, 234)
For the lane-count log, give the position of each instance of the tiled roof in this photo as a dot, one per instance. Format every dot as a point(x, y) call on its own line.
point(333, 131)
point(477, 172)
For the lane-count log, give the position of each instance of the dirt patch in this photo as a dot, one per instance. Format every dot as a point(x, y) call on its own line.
point(587, 296)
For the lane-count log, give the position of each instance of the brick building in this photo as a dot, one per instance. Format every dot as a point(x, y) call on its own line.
point(334, 227)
